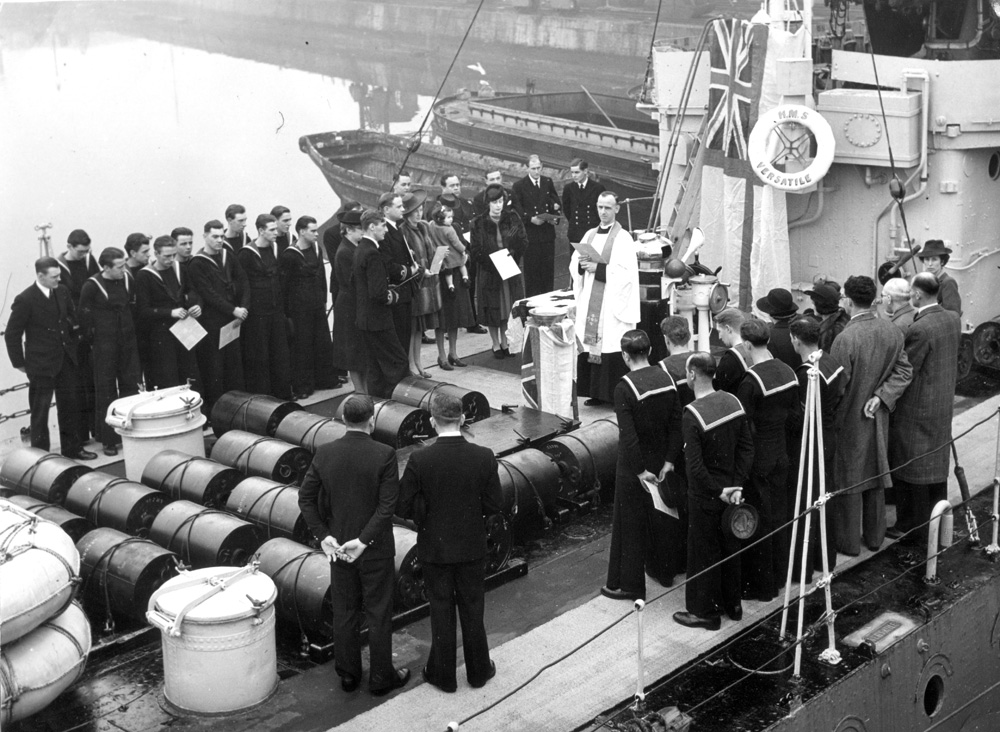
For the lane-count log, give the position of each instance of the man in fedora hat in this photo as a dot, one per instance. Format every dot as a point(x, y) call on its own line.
point(780, 306)
point(832, 318)
point(934, 256)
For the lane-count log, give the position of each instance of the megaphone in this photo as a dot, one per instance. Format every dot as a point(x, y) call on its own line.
point(888, 270)
point(696, 242)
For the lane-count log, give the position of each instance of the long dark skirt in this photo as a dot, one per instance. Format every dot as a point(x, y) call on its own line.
point(598, 380)
point(456, 309)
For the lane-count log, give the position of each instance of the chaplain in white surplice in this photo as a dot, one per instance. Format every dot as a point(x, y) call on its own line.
point(606, 285)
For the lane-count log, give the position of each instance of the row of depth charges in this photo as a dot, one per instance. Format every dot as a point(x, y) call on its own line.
point(535, 483)
point(400, 421)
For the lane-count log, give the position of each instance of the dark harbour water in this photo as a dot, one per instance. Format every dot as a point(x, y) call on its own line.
point(118, 117)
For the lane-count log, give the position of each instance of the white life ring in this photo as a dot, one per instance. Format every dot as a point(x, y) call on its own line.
point(760, 159)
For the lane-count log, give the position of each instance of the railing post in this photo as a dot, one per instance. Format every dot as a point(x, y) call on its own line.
point(640, 683)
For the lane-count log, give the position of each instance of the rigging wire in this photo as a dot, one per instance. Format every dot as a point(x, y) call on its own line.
point(736, 554)
point(812, 629)
point(896, 187)
point(415, 144)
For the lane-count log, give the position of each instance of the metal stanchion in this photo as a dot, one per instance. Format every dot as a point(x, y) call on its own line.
point(640, 683)
point(993, 550)
point(939, 536)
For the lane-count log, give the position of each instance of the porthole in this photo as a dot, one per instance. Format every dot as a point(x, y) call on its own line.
point(994, 166)
point(933, 695)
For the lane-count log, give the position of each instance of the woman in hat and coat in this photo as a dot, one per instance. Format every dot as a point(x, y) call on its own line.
point(426, 307)
point(348, 346)
point(934, 256)
point(499, 228)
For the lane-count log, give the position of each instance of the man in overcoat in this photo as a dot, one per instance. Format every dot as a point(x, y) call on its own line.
point(534, 196)
point(922, 420)
point(347, 499)
point(450, 488)
point(386, 362)
point(877, 373)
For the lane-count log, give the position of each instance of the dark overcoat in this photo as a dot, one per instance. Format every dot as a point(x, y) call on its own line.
point(875, 364)
point(922, 420)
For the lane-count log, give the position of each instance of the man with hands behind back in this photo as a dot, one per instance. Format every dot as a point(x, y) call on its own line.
point(347, 498)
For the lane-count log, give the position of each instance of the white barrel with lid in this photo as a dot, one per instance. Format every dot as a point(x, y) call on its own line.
point(218, 629)
point(153, 421)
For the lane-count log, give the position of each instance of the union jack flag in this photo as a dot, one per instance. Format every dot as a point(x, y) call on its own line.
point(745, 222)
point(737, 51)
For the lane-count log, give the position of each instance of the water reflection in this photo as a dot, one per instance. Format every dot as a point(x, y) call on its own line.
point(121, 117)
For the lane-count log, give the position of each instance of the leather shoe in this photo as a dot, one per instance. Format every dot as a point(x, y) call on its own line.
point(617, 594)
point(506, 352)
point(82, 454)
point(477, 329)
point(498, 353)
point(429, 680)
point(427, 340)
point(110, 450)
point(893, 533)
point(402, 676)
point(490, 675)
point(592, 403)
point(735, 612)
point(456, 361)
point(691, 620)
point(348, 683)
point(445, 366)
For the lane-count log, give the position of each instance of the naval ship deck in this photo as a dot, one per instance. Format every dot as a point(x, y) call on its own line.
point(564, 653)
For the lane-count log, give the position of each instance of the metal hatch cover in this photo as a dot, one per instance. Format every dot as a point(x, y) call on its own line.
point(881, 632)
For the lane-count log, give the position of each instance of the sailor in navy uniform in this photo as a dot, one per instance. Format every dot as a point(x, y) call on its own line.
point(221, 285)
point(735, 361)
point(78, 265)
point(106, 319)
point(266, 358)
point(303, 286)
point(533, 196)
point(649, 445)
point(769, 394)
point(163, 297)
point(718, 452)
point(579, 199)
point(677, 335)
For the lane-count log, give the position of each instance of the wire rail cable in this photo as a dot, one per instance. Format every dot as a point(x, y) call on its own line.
point(743, 549)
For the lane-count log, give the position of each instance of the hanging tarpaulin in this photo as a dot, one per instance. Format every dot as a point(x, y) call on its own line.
point(745, 222)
